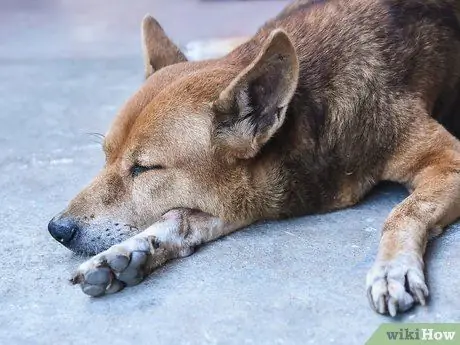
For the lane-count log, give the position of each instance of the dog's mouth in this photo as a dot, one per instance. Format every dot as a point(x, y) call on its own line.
point(84, 243)
point(89, 238)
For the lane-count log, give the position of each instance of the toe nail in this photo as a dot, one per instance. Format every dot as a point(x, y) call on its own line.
point(420, 296)
point(381, 305)
point(392, 307)
point(371, 300)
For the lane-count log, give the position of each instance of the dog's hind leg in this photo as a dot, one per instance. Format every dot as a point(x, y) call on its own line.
point(128, 263)
point(428, 163)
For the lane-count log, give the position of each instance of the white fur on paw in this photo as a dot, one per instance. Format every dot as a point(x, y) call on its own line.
point(394, 286)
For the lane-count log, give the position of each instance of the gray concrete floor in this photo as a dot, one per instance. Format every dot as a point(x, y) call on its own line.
point(65, 68)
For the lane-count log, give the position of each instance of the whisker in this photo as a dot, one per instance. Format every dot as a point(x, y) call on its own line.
point(98, 136)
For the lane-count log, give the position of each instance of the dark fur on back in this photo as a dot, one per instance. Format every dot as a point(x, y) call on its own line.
point(358, 73)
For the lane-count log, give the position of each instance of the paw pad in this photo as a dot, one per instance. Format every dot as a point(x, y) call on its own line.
point(111, 271)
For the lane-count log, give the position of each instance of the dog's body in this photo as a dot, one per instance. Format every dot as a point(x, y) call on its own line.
point(325, 101)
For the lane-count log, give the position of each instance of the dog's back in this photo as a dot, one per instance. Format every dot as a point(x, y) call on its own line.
point(399, 36)
point(359, 75)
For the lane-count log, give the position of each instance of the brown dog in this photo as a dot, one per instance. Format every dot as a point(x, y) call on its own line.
point(325, 101)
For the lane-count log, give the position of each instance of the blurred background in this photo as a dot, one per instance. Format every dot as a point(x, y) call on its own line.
point(110, 28)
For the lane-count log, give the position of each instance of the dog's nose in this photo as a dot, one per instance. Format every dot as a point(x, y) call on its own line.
point(62, 229)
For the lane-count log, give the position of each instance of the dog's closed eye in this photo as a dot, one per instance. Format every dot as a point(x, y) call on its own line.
point(137, 169)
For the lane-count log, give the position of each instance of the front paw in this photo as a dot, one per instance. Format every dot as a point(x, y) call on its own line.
point(395, 285)
point(110, 271)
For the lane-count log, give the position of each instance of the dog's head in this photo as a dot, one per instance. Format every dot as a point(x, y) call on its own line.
point(187, 138)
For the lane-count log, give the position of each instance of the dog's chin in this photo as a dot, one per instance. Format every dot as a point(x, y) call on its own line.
point(88, 249)
point(93, 242)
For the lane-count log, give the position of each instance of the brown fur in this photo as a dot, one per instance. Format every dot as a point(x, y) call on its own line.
point(325, 101)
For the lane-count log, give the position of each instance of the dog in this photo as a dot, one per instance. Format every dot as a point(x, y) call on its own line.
point(322, 103)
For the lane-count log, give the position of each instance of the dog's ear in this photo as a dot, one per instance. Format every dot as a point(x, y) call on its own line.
point(253, 106)
point(159, 50)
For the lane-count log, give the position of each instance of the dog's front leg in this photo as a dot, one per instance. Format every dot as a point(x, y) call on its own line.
point(429, 163)
point(128, 263)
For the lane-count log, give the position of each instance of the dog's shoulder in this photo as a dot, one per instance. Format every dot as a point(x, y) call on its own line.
point(361, 63)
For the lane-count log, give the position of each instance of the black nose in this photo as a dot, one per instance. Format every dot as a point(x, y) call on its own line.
point(62, 229)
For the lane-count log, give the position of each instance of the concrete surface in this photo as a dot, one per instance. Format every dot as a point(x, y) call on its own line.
point(294, 282)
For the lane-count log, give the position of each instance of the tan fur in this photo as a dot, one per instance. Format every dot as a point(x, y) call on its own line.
point(153, 37)
point(325, 101)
